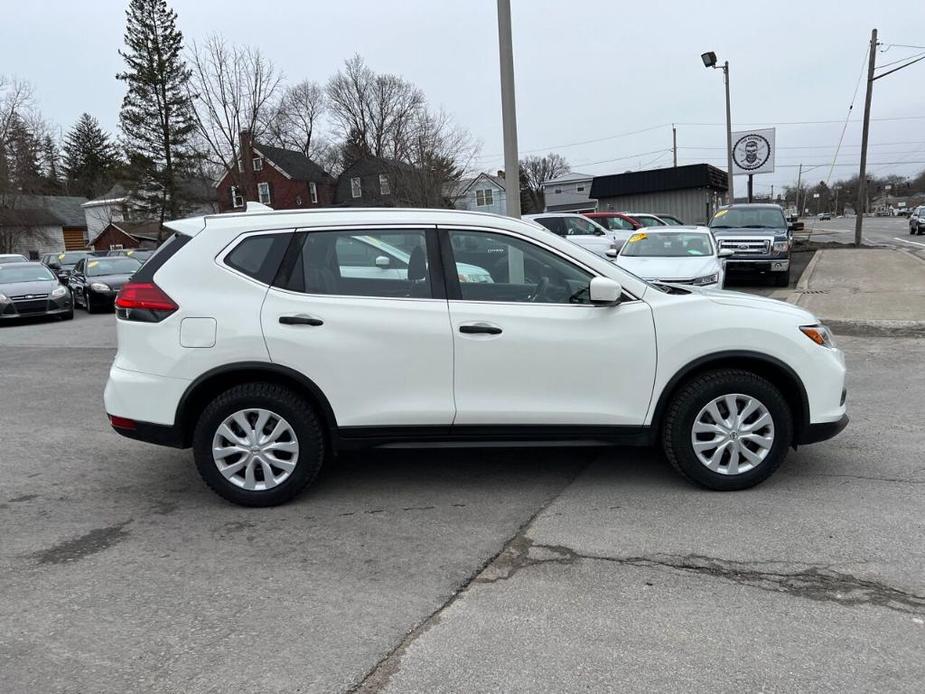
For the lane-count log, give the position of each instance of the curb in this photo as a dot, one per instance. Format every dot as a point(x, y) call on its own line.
point(877, 328)
point(803, 282)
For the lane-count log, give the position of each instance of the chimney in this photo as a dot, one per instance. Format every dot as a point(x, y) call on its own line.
point(246, 170)
point(500, 173)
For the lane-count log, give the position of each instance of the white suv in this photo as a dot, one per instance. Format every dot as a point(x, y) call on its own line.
point(269, 341)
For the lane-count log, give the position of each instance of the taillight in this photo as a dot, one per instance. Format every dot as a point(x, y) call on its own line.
point(145, 302)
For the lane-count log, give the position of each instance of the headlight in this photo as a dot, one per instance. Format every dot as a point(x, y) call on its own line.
point(99, 287)
point(709, 279)
point(781, 246)
point(58, 292)
point(3, 299)
point(819, 334)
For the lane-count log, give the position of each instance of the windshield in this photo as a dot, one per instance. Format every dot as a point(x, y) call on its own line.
point(12, 274)
point(112, 266)
point(71, 258)
point(749, 218)
point(12, 259)
point(668, 244)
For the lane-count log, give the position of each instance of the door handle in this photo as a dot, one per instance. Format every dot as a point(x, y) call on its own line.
point(300, 320)
point(479, 328)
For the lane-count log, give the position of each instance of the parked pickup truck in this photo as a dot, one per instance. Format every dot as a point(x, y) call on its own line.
point(759, 237)
point(581, 231)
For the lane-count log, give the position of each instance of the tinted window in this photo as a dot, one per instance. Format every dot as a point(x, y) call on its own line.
point(648, 220)
point(259, 256)
point(578, 226)
point(749, 218)
point(555, 224)
point(617, 223)
point(361, 263)
point(519, 271)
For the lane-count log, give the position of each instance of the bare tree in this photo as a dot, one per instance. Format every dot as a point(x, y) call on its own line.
point(232, 89)
point(294, 119)
point(534, 172)
point(375, 112)
point(16, 105)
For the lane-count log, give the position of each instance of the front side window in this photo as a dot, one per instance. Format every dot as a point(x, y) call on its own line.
point(578, 226)
point(356, 188)
point(484, 197)
point(387, 264)
point(614, 223)
point(263, 193)
point(519, 271)
point(384, 187)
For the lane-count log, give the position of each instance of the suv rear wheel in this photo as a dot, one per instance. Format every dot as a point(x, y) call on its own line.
point(727, 429)
point(258, 444)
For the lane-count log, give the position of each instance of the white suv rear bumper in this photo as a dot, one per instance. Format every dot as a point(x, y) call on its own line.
point(143, 397)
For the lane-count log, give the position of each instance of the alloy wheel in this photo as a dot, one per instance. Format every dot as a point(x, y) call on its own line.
point(255, 449)
point(733, 434)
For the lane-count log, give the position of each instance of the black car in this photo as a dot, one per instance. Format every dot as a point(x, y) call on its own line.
point(62, 263)
point(95, 281)
point(140, 255)
point(31, 289)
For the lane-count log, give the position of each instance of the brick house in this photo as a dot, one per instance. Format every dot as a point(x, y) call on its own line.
point(281, 178)
point(378, 182)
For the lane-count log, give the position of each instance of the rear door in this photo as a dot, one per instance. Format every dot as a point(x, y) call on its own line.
point(363, 314)
point(529, 347)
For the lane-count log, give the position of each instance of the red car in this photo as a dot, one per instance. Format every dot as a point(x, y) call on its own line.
point(620, 221)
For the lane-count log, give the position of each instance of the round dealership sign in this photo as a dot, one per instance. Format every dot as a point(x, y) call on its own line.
point(751, 152)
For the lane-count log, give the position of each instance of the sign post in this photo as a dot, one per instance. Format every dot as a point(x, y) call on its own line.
point(753, 153)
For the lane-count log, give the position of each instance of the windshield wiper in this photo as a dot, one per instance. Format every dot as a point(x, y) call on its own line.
point(758, 226)
point(721, 226)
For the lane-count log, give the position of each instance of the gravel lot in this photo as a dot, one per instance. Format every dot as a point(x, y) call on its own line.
point(429, 571)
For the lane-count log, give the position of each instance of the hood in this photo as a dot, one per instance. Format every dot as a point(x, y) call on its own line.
point(683, 268)
point(114, 281)
point(35, 287)
point(727, 298)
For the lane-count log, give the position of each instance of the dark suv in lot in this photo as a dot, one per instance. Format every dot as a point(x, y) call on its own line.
point(759, 237)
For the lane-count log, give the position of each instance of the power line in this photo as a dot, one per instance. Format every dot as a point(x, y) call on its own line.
point(878, 144)
point(803, 122)
point(848, 116)
point(582, 142)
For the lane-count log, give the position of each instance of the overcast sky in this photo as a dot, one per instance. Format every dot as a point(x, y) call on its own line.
point(585, 69)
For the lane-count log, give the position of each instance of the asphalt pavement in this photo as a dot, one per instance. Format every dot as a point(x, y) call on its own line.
point(434, 571)
point(891, 232)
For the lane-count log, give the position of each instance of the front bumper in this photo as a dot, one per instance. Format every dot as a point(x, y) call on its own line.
point(36, 309)
point(813, 433)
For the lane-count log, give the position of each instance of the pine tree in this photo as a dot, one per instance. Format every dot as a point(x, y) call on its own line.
point(156, 117)
point(51, 165)
point(24, 168)
point(89, 158)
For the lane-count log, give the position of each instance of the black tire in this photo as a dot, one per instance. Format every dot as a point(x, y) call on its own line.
point(686, 404)
point(88, 306)
point(285, 403)
point(782, 279)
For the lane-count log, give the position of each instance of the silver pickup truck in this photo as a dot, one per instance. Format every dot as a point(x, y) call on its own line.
point(760, 238)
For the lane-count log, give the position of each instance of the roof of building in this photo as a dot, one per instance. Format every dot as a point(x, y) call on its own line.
point(659, 180)
point(459, 187)
point(57, 209)
point(145, 231)
point(570, 177)
point(27, 217)
point(293, 163)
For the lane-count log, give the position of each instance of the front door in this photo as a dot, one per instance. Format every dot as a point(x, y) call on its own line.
point(531, 349)
point(358, 312)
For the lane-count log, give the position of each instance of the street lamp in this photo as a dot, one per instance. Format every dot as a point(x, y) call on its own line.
point(709, 60)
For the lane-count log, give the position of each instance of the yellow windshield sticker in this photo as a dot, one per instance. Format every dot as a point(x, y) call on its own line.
point(61, 257)
point(636, 237)
point(720, 213)
point(130, 252)
point(93, 263)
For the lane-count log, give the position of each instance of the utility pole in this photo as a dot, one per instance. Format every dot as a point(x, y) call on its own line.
point(862, 176)
point(797, 203)
point(508, 110)
point(674, 144)
point(730, 192)
point(750, 186)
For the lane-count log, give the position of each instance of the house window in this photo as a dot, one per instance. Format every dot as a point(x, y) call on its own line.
point(557, 191)
point(384, 187)
point(580, 189)
point(258, 163)
point(263, 193)
point(237, 200)
point(356, 189)
point(313, 192)
point(484, 197)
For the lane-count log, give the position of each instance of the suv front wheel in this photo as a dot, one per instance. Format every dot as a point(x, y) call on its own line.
point(258, 444)
point(727, 429)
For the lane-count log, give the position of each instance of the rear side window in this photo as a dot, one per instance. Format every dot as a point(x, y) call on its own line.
point(259, 256)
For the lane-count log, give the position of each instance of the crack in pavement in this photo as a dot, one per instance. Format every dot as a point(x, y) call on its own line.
point(818, 583)
point(859, 477)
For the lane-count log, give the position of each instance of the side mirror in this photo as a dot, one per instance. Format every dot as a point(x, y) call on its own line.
point(604, 291)
point(726, 253)
point(611, 252)
point(383, 261)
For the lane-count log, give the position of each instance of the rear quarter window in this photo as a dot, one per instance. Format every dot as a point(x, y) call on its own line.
point(259, 256)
